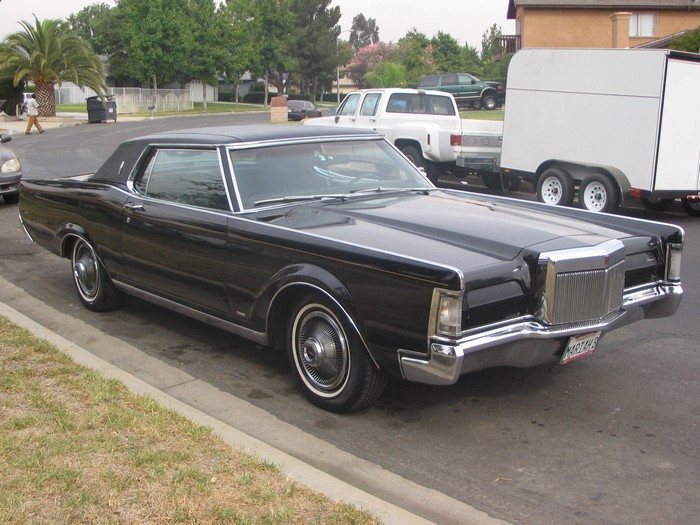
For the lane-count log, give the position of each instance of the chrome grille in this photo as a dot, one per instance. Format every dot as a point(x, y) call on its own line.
point(587, 295)
point(582, 285)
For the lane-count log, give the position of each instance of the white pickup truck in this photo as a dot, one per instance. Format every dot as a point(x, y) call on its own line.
point(424, 125)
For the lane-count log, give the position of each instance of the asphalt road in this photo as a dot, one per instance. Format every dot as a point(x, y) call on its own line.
point(611, 439)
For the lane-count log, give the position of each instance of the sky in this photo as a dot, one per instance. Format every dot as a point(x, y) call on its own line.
point(464, 20)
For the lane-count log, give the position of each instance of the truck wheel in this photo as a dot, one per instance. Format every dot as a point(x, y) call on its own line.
point(598, 194)
point(94, 286)
point(555, 187)
point(414, 155)
point(489, 102)
point(476, 104)
point(692, 208)
point(329, 359)
point(656, 204)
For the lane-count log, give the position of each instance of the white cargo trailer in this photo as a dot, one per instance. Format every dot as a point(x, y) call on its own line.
point(605, 125)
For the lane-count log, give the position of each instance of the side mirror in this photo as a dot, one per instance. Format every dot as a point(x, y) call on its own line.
point(337, 118)
point(5, 138)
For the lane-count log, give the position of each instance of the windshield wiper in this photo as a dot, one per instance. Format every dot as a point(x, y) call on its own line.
point(380, 189)
point(297, 198)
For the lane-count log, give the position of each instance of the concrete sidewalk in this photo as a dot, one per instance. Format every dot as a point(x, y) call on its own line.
point(395, 500)
point(12, 125)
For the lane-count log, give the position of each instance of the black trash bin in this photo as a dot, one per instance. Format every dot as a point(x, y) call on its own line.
point(99, 111)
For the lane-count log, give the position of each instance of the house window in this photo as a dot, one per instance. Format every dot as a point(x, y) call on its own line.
point(643, 24)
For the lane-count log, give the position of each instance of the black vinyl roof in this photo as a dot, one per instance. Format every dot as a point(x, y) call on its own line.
point(120, 164)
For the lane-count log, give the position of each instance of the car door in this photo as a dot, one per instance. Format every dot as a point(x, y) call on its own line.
point(367, 114)
point(174, 236)
point(347, 112)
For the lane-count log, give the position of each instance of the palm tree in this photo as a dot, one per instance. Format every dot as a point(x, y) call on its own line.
point(47, 54)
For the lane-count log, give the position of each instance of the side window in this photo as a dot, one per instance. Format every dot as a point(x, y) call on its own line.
point(350, 104)
point(450, 80)
point(185, 176)
point(398, 103)
point(441, 105)
point(370, 104)
point(465, 80)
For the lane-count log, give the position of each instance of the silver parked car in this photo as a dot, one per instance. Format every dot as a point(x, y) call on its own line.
point(10, 172)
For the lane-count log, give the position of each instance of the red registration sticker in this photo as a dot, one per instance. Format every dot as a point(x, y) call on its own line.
point(580, 346)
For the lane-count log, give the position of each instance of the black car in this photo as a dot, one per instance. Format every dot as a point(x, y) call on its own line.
point(331, 245)
point(301, 109)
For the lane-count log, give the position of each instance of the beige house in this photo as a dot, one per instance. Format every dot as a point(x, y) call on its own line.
point(598, 23)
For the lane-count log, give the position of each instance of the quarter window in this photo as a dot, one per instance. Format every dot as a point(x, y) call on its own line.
point(643, 24)
point(185, 176)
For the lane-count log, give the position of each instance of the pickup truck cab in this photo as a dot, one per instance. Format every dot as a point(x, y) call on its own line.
point(424, 125)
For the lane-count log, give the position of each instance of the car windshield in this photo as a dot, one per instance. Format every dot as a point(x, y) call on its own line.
point(291, 173)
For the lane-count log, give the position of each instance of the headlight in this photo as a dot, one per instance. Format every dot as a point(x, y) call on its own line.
point(10, 166)
point(447, 311)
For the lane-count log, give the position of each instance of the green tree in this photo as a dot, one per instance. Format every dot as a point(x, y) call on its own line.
point(237, 41)
point(315, 41)
point(489, 42)
point(366, 58)
point(47, 54)
point(415, 53)
point(159, 38)
point(363, 32)
point(386, 75)
point(270, 24)
point(206, 57)
point(690, 41)
point(92, 24)
point(447, 53)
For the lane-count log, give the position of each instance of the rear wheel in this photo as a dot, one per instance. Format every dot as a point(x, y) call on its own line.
point(657, 204)
point(597, 193)
point(416, 157)
point(95, 288)
point(555, 187)
point(692, 207)
point(329, 358)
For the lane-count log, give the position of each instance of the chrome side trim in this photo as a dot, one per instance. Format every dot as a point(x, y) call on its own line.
point(247, 333)
point(447, 359)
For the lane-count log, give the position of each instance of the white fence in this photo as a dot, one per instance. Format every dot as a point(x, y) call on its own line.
point(133, 100)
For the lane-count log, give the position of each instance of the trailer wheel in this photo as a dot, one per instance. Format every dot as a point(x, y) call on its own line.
point(598, 194)
point(555, 187)
point(691, 207)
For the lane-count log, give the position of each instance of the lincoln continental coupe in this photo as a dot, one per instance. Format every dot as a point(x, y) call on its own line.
point(330, 245)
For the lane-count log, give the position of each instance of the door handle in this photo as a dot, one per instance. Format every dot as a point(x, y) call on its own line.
point(132, 206)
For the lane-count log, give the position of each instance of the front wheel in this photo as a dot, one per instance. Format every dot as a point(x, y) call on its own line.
point(598, 194)
point(555, 187)
point(692, 207)
point(95, 288)
point(489, 102)
point(329, 359)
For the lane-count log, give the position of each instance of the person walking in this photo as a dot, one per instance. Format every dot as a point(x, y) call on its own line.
point(33, 115)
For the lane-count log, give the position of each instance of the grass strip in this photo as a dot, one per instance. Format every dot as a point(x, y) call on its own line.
point(76, 447)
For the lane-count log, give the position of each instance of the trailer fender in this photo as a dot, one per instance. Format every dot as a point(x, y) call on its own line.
point(580, 171)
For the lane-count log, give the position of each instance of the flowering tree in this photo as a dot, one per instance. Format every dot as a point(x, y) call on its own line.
point(365, 59)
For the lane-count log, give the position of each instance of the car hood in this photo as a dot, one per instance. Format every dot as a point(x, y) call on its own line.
point(457, 229)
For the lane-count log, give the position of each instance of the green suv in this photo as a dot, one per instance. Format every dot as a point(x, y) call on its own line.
point(468, 91)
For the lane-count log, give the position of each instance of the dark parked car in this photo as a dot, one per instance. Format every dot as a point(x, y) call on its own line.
point(468, 91)
point(331, 245)
point(301, 109)
point(10, 172)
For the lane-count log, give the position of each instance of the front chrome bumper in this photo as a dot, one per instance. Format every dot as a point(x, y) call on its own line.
point(527, 341)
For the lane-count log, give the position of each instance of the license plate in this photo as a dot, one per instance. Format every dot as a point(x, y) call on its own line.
point(580, 346)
